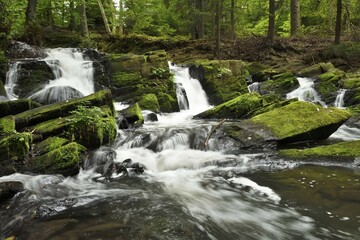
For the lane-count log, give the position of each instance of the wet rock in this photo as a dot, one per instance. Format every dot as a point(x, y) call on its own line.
point(9, 189)
point(56, 94)
point(130, 117)
point(3, 99)
point(279, 84)
point(16, 106)
point(316, 70)
point(151, 117)
point(20, 50)
point(149, 102)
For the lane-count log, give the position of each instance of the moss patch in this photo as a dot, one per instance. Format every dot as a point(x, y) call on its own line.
point(338, 150)
point(15, 146)
point(299, 117)
point(317, 69)
point(132, 116)
point(149, 102)
point(7, 125)
point(17, 106)
point(280, 84)
point(235, 108)
point(49, 144)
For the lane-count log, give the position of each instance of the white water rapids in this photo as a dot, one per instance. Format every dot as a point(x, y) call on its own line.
point(185, 193)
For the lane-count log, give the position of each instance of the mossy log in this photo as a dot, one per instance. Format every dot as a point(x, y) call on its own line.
point(17, 106)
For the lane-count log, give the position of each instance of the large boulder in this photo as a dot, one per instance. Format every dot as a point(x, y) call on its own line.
point(222, 80)
point(299, 121)
point(279, 84)
point(130, 117)
point(134, 77)
point(56, 94)
point(296, 121)
point(344, 151)
point(236, 108)
point(316, 69)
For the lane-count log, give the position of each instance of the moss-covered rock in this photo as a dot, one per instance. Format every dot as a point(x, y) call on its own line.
point(7, 125)
point(136, 76)
point(236, 108)
point(64, 159)
point(131, 117)
point(167, 102)
point(327, 85)
point(222, 80)
point(15, 146)
point(299, 121)
point(339, 151)
point(149, 102)
point(344, 55)
point(17, 106)
point(279, 84)
point(316, 70)
point(49, 144)
point(62, 109)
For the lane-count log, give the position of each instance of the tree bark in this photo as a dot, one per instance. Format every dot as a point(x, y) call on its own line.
point(217, 28)
point(121, 21)
point(49, 14)
point(271, 28)
point(295, 18)
point(84, 25)
point(103, 15)
point(232, 19)
point(30, 12)
point(338, 21)
point(72, 16)
point(198, 24)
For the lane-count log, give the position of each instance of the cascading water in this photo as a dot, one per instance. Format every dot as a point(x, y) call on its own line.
point(254, 87)
point(184, 193)
point(305, 92)
point(339, 101)
point(73, 77)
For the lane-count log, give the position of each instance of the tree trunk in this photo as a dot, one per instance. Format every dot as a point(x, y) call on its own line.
point(49, 14)
point(198, 21)
point(121, 21)
point(30, 13)
point(232, 19)
point(72, 16)
point(295, 16)
point(84, 25)
point(217, 28)
point(103, 15)
point(114, 22)
point(271, 28)
point(338, 21)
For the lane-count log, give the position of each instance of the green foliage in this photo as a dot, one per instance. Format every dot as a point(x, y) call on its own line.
point(160, 73)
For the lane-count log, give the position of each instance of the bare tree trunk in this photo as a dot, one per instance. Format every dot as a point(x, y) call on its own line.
point(271, 28)
point(103, 15)
point(30, 13)
point(232, 19)
point(49, 14)
point(72, 16)
point(217, 28)
point(338, 21)
point(84, 25)
point(295, 16)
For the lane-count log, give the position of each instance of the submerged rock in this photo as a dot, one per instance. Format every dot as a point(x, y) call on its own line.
point(9, 189)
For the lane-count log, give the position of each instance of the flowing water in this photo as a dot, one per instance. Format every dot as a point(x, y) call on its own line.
point(339, 101)
point(73, 77)
point(254, 87)
point(306, 92)
point(187, 193)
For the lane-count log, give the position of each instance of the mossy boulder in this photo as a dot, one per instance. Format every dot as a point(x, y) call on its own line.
point(31, 76)
point(49, 144)
point(316, 70)
point(17, 106)
point(222, 80)
point(130, 117)
point(133, 77)
point(64, 160)
point(279, 84)
point(345, 151)
point(7, 125)
point(62, 109)
point(299, 121)
point(236, 108)
point(149, 102)
point(167, 102)
point(327, 85)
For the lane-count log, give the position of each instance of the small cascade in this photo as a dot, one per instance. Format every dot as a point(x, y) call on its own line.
point(11, 79)
point(306, 92)
point(254, 87)
point(339, 101)
point(195, 94)
point(182, 97)
point(73, 77)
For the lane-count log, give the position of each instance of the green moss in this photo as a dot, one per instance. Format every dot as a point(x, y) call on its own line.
point(338, 150)
point(280, 84)
point(317, 69)
point(15, 146)
point(327, 84)
point(236, 108)
point(62, 158)
point(62, 109)
point(350, 83)
point(7, 125)
point(167, 103)
point(149, 102)
point(133, 115)
point(299, 117)
point(348, 51)
point(49, 144)
point(122, 79)
point(17, 106)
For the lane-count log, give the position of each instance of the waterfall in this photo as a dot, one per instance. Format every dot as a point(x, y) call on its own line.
point(339, 101)
point(11, 79)
point(73, 77)
point(195, 94)
point(306, 92)
point(254, 87)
